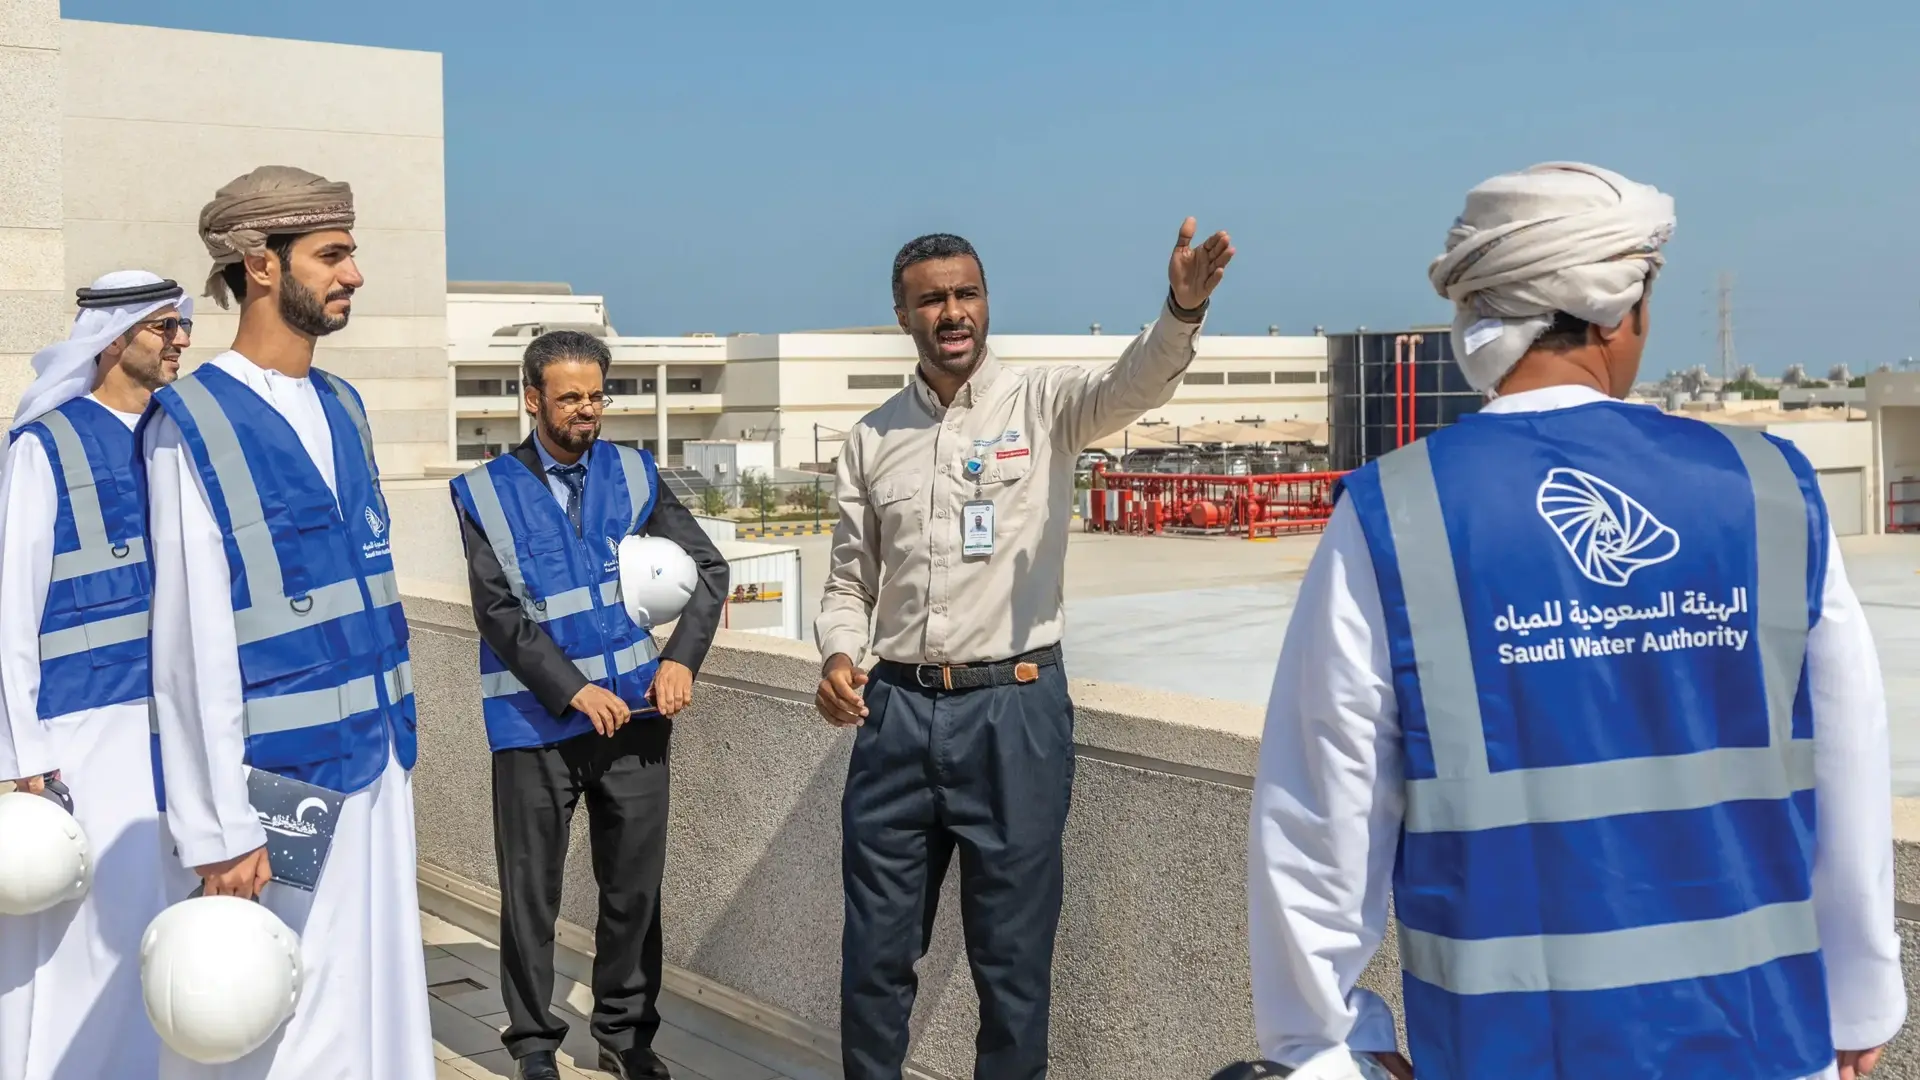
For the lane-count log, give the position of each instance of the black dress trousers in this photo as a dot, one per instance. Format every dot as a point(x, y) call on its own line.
point(624, 780)
point(988, 773)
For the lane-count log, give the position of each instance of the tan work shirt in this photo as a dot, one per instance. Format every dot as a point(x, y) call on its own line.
point(899, 584)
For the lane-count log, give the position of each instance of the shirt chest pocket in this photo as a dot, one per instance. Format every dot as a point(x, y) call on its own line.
point(1002, 482)
point(898, 504)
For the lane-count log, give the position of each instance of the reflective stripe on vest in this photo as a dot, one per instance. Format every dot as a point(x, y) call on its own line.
point(96, 552)
point(290, 712)
point(352, 405)
point(493, 522)
point(1466, 796)
point(270, 612)
point(497, 684)
point(95, 618)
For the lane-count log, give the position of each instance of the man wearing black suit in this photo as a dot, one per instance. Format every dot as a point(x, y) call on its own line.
point(577, 703)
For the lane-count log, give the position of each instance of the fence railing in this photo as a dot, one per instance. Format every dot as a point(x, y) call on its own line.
point(754, 503)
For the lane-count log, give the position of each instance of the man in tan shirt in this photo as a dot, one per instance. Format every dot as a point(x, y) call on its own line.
point(955, 498)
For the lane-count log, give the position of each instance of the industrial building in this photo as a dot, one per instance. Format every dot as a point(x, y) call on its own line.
point(801, 392)
point(438, 365)
point(1386, 389)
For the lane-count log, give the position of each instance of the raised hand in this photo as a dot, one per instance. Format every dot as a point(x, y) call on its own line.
point(1193, 273)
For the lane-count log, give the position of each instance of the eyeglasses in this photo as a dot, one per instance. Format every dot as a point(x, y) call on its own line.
point(170, 326)
point(575, 402)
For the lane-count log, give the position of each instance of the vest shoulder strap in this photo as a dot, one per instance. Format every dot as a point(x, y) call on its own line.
point(482, 496)
point(643, 483)
point(67, 448)
point(350, 400)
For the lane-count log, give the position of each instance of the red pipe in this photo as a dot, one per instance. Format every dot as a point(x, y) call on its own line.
point(1413, 385)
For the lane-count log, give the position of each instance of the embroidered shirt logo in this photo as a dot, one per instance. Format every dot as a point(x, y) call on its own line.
point(373, 522)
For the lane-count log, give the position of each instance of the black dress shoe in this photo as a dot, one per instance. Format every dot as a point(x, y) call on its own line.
point(538, 1065)
point(1251, 1070)
point(639, 1063)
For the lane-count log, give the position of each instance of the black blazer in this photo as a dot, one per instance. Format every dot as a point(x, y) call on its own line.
point(525, 647)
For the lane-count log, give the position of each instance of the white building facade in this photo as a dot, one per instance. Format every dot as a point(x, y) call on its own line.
point(803, 391)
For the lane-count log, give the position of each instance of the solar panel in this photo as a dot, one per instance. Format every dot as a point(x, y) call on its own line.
point(686, 484)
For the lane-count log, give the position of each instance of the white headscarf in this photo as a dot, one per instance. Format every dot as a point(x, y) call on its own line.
point(1556, 237)
point(66, 368)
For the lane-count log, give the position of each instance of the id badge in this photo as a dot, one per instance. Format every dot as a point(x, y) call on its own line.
point(976, 530)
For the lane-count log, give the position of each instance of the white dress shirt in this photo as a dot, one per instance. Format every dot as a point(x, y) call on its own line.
point(196, 661)
point(1328, 803)
point(28, 496)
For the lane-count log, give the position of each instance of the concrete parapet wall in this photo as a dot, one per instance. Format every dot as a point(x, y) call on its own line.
point(1151, 974)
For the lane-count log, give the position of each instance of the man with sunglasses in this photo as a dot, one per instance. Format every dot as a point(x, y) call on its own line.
point(74, 676)
point(577, 699)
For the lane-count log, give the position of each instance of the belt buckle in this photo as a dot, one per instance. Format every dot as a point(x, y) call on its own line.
point(944, 680)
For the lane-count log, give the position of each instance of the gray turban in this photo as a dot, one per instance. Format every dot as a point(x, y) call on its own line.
point(271, 199)
point(1556, 237)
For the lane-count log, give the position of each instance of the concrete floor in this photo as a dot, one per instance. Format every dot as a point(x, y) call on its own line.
point(1206, 616)
point(697, 1043)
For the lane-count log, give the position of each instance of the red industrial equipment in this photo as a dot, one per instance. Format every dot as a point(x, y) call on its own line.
point(1251, 506)
point(1207, 515)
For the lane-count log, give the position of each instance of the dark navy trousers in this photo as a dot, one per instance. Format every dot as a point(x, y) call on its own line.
point(987, 773)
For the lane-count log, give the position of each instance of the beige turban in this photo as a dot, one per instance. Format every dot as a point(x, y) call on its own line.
point(271, 199)
point(1556, 237)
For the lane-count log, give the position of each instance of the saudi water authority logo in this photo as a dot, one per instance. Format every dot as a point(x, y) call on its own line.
point(373, 522)
point(1608, 534)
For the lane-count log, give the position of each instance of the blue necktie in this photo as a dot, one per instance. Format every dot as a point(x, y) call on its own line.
point(575, 477)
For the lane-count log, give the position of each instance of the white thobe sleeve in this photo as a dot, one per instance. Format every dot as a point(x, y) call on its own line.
point(27, 501)
point(1327, 808)
point(196, 662)
point(1853, 844)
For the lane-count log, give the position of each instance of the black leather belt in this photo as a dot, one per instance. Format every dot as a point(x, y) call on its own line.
point(1021, 669)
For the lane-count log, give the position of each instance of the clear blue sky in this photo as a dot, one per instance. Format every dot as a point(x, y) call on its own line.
point(726, 166)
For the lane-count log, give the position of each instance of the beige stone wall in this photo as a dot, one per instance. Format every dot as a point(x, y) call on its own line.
point(33, 310)
point(156, 120)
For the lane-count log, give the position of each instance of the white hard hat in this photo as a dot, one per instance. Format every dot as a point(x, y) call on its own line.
point(220, 976)
point(656, 579)
point(45, 853)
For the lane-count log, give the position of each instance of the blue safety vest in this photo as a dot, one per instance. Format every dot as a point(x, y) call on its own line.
point(93, 629)
point(324, 669)
point(567, 582)
point(1597, 619)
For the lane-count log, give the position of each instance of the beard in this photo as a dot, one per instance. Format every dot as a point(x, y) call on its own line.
point(926, 341)
point(566, 438)
point(150, 370)
point(306, 312)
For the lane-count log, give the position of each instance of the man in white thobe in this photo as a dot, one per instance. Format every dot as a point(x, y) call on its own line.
point(282, 247)
point(70, 976)
point(1548, 269)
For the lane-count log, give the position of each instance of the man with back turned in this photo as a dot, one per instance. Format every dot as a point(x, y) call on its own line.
point(946, 566)
point(1584, 687)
